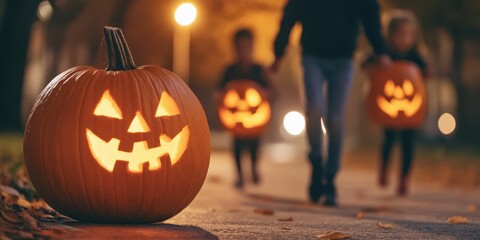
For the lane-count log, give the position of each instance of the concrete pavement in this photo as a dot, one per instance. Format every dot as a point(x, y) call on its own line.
point(220, 211)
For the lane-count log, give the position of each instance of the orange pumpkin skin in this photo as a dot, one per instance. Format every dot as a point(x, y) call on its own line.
point(398, 96)
point(248, 113)
point(64, 165)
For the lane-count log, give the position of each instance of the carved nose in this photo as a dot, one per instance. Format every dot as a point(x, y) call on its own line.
point(138, 125)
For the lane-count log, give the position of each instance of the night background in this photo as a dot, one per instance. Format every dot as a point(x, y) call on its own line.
point(41, 39)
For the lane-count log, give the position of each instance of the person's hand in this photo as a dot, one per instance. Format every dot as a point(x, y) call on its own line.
point(275, 65)
point(384, 60)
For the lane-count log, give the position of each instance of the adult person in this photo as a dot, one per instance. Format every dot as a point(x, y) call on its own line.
point(329, 34)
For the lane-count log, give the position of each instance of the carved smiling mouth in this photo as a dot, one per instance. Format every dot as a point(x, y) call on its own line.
point(107, 153)
point(394, 106)
point(246, 117)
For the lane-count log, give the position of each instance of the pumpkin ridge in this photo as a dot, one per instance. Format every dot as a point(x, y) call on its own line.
point(140, 105)
point(157, 96)
point(72, 79)
point(80, 133)
point(172, 76)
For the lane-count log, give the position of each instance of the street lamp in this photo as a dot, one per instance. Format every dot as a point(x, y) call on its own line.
point(185, 15)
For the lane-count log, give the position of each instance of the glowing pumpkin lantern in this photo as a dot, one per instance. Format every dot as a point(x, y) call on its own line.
point(124, 144)
point(244, 109)
point(397, 96)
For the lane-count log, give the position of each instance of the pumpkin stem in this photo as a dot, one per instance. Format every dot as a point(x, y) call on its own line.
point(119, 56)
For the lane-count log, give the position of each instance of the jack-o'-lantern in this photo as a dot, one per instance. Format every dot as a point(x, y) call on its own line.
point(244, 109)
point(121, 145)
point(397, 97)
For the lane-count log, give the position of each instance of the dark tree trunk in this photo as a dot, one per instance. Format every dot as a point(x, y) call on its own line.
point(14, 38)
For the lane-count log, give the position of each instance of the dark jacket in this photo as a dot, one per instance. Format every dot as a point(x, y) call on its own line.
point(330, 27)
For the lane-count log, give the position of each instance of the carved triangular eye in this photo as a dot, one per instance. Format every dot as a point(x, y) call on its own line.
point(253, 97)
point(231, 99)
point(108, 107)
point(167, 106)
point(408, 87)
point(389, 88)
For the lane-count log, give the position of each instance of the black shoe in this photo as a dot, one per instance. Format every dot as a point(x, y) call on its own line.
point(330, 194)
point(255, 177)
point(330, 201)
point(315, 190)
point(239, 183)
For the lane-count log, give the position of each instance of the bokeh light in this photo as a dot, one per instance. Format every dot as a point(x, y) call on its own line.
point(44, 11)
point(446, 123)
point(294, 123)
point(185, 14)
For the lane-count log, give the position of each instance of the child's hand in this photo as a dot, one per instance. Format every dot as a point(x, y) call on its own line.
point(275, 65)
point(384, 60)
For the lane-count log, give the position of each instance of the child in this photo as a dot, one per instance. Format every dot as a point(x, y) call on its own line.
point(245, 68)
point(402, 44)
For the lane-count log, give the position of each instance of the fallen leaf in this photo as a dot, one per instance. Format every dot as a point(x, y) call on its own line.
point(385, 225)
point(457, 220)
point(360, 215)
point(3, 236)
point(285, 219)
point(332, 235)
point(29, 223)
point(472, 208)
point(263, 211)
point(23, 203)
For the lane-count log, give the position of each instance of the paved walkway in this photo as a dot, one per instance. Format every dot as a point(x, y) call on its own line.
point(220, 211)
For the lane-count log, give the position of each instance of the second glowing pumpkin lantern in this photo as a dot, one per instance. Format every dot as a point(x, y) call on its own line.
point(244, 109)
point(397, 97)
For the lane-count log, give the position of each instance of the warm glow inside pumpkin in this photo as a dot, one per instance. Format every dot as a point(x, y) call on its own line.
point(397, 97)
point(244, 109)
point(107, 153)
point(402, 99)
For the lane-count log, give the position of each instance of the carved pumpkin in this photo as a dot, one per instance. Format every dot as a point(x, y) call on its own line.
point(397, 97)
point(124, 144)
point(244, 109)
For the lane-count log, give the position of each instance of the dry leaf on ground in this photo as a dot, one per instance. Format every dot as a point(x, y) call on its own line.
point(360, 215)
point(263, 211)
point(333, 235)
point(385, 225)
point(457, 220)
point(285, 219)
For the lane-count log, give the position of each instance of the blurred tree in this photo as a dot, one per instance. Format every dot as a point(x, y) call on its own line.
point(459, 18)
point(18, 18)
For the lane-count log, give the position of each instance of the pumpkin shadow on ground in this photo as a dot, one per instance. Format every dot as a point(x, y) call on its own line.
point(80, 230)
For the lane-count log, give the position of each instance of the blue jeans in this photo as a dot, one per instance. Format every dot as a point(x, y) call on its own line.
point(337, 73)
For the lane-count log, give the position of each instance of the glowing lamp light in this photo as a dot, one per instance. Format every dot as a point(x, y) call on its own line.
point(294, 123)
point(185, 14)
point(446, 123)
point(44, 11)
